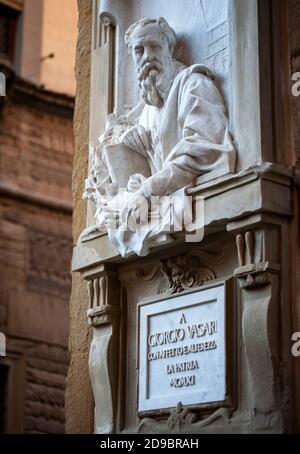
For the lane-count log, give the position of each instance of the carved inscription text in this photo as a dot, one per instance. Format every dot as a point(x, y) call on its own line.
point(182, 350)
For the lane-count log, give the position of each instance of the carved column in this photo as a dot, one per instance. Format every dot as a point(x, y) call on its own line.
point(102, 71)
point(259, 246)
point(104, 316)
point(102, 83)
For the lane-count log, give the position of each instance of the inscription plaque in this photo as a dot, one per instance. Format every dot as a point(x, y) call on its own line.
point(182, 350)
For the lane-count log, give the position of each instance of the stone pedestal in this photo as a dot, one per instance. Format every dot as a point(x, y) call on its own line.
point(244, 254)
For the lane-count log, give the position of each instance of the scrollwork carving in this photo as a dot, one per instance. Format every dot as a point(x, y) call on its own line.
point(147, 273)
point(106, 20)
point(185, 272)
point(183, 420)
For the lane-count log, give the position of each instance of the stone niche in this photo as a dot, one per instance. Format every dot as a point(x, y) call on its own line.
point(194, 336)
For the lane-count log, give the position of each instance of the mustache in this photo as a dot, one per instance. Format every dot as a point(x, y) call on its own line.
point(147, 67)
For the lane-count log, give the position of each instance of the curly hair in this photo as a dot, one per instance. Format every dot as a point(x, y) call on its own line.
point(165, 28)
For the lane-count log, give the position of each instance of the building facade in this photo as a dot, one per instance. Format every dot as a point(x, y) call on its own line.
point(36, 154)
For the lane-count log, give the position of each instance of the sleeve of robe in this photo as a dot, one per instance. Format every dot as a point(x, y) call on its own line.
point(205, 144)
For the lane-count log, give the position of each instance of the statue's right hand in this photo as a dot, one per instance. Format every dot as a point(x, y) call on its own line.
point(138, 139)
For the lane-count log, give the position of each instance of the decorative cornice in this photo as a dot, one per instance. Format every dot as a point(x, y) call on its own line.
point(239, 198)
point(25, 92)
point(265, 170)
point(41, 200)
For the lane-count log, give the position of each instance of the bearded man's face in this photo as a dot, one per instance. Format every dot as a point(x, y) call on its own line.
point(153, 62)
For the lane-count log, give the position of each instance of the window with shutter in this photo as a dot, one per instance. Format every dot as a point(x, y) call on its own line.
point(8, 28)
point(15, 4)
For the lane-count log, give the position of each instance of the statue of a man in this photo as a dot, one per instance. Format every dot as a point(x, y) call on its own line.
point(180, 128)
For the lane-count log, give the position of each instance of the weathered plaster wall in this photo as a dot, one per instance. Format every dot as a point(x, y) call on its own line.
point(79, 400)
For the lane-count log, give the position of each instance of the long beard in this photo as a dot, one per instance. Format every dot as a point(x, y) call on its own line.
point(155, 86)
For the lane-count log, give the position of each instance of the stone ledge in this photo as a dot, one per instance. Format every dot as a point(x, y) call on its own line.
point(23, 91)
point(23, 195)
point(261, 189)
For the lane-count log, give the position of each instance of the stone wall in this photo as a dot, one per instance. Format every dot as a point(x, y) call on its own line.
point(44, 398)
point(36, 150)
point(294, 32)
point(294, 15)
point(79, 400)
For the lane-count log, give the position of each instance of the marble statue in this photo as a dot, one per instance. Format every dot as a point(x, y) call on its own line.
point(177, 132)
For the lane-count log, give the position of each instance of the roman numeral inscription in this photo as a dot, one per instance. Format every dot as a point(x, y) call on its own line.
point(182, 381)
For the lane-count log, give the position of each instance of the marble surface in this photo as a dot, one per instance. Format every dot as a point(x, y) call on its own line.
point(181, 347)
point(176, 133)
